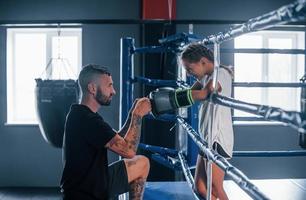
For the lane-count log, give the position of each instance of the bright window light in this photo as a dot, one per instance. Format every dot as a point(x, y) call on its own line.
point(269, 68)
point(28, 52)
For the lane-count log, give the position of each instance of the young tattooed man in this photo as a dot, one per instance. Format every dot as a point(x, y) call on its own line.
point(87, 137)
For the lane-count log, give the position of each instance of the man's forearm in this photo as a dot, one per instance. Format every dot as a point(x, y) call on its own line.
point(126, 126)
point(134, 131)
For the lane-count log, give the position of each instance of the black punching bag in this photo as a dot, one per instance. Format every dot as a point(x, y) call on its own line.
point(303, 112)
point(53, 101)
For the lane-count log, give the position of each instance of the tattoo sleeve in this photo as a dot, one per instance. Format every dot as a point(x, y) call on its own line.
point(126, 126)
point(133, 135)
point(119, 144)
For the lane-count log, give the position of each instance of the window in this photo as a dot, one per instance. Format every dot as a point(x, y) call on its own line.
point(269, 68)
point(29, 50)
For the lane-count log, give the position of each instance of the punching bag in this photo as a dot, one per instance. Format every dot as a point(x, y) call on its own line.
point(53, 101)
point(302, 136)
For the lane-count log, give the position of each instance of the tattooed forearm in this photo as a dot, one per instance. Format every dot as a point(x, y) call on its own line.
point(136, 189)
point(135, 132)
point(127, 146)
point(119, 144)
point(126, 126)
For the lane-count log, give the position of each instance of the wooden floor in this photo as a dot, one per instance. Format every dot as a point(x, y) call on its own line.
point(278, 189)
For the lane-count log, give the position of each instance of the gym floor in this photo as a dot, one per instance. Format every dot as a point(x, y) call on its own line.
point(285, 189)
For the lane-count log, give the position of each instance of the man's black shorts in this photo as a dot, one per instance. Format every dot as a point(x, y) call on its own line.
point(117, 184)
point(118, 179)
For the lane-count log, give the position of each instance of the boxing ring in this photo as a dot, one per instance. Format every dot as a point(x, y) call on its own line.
point(176, 159)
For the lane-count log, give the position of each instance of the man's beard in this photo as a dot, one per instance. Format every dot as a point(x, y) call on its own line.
point(102, 99)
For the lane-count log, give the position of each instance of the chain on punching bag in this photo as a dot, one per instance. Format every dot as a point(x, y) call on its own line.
point(302, 136)
point(53, 100)
point(55, 96)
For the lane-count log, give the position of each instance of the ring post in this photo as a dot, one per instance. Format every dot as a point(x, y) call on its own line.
point(126, 86)
point(126, 75)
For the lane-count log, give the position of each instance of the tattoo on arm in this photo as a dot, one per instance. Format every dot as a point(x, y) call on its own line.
point(119, 144)
point(135, 132)
point(130, 142)
point(126, 126)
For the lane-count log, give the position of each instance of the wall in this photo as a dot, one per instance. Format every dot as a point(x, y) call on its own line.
point(68, 9)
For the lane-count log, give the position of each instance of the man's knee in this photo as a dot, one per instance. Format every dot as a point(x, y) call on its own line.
point(137, 167)
point(144, 161)
point(144, 164)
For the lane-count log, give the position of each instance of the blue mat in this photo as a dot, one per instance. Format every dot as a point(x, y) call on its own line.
point(167, 191)
point(278, 189)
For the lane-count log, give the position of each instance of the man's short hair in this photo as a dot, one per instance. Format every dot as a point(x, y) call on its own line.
point(89, 73)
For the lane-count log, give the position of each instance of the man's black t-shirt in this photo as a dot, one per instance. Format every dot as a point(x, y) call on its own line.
point(85, 157)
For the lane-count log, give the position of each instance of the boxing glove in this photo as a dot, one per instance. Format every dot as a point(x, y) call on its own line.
point(167, 99)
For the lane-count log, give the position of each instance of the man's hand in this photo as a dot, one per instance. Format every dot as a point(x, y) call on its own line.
point(142, 107)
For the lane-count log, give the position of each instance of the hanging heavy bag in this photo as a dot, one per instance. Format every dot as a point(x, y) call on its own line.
point(53, 101)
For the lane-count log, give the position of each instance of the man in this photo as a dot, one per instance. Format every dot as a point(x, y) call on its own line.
point(87, 137)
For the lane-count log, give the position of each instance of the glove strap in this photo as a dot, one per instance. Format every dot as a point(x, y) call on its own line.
point(183, 98)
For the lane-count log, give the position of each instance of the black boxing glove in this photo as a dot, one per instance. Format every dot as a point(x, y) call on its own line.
point(168, 99)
